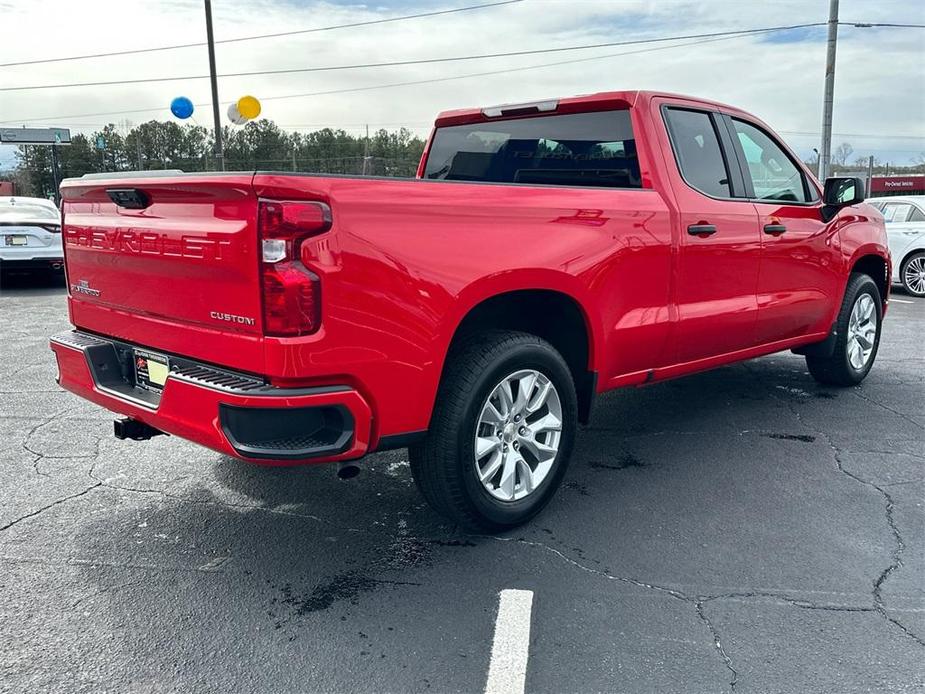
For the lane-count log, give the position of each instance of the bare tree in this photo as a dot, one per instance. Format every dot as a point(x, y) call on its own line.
point(841, 154)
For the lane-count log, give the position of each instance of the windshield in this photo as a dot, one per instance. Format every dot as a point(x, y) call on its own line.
point(578, 149)
point(25, 210)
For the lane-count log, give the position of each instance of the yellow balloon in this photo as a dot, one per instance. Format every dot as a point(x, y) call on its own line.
point(249, 107)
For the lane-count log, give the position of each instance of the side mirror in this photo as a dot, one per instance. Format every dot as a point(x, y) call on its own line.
point(840, 192)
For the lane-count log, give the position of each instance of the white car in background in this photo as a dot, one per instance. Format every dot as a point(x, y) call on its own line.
point(30, 234)
point(905, 227)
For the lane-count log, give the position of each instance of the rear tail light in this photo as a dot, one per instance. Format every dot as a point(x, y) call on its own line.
point(53, 228)
point(291, 292)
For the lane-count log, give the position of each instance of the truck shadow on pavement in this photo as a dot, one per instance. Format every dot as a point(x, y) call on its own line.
point(31, 283)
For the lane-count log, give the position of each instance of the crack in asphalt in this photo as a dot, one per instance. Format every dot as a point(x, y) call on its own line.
point(62, 500)
point(718, 644)
point(901, 415)
point(784, 600)
point(39, 455)
point(102, 591)
point(899, 544)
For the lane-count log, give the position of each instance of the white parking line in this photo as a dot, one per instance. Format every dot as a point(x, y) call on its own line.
point(507, 671)
point(901, 301)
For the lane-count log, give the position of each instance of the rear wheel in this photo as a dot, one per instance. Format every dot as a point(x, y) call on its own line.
point(502, 431)
point(858, 329)
point(912, 274)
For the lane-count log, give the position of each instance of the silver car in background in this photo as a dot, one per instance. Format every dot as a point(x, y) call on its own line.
point(905, 227)
point(30, 235)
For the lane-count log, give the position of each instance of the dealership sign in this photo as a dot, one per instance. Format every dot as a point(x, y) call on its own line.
point(897, 184)
point(35, 136)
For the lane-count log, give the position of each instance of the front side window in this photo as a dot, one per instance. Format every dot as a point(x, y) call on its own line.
point(579, 149)
point(697, 151)
point(774, 175)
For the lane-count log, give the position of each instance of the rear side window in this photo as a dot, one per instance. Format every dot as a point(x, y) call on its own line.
point(774, 175)
point(697, 151)
point(916, 215)
point(578, 149)
point(896, 211)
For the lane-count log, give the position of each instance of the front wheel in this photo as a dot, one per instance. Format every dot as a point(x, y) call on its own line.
point(502, 431)
point(858, 336)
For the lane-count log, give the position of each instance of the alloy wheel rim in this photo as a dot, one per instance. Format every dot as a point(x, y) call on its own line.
point(914, 275)
point(517, 435)
point(862, 331)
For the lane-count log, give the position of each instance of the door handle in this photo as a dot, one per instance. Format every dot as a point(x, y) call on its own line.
point(701, 229)
point(774, 229)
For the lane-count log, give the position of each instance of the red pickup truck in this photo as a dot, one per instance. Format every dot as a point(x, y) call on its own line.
point(545, 253)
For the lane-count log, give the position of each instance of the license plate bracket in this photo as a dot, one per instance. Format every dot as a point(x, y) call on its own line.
point(17, 240)
point(151, 369)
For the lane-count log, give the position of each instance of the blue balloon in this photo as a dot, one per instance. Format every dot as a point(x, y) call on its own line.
point(181, 107)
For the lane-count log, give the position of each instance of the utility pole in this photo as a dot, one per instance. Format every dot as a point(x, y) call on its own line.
point(366, 152)
point(56, 174)
point(219, 148)
point(825, 154)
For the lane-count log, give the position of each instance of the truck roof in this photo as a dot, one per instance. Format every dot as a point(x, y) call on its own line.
point(571, 104)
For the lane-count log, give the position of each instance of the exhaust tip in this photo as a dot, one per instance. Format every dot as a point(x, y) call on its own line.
point(347, 471)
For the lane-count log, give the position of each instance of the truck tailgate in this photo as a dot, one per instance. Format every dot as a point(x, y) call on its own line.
point(174, 265)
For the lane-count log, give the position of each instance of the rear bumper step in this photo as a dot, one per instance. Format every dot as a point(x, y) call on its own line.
point(236, 414)
point(260, 432)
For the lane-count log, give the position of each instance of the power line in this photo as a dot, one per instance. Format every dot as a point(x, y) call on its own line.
point(861, 135)
point(264, 36)
point(347, 90)
point(868, 25)
point(423, 61)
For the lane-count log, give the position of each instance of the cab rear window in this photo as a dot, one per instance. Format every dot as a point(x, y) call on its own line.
point(580, 149)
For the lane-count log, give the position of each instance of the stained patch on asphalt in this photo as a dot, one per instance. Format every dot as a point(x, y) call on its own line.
point(576, 487)
point(625, 461)
point(824, 395)
point(403, 552)
point(803, 438)
point(453, 543)
point(343, 586)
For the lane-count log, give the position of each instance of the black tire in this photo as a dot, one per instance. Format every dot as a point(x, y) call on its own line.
point(444, 466)
point(837, 370)
point(918, 257)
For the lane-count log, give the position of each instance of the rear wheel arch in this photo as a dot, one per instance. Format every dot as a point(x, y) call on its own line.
point(553, 315)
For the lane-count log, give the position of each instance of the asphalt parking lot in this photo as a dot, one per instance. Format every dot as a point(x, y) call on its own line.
point(742, 529)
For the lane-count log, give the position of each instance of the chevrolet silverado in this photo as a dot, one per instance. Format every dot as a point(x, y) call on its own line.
point(545, 252)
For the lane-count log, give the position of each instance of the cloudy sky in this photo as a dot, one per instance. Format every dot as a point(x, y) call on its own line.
point(879, 96)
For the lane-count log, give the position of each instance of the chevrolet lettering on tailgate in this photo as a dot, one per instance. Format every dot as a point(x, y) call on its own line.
point(147, 242)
